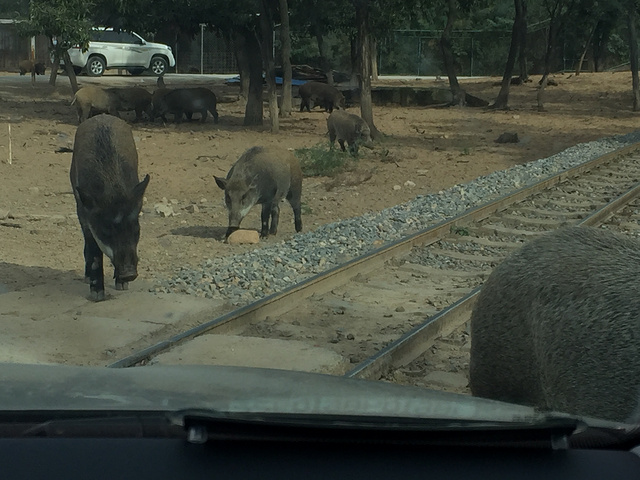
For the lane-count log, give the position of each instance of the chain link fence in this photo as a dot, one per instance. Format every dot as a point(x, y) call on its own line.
point(417, 52)
point(206, 53)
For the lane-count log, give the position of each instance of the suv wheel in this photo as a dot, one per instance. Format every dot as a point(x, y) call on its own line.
point(95, 66)
point(158, 66)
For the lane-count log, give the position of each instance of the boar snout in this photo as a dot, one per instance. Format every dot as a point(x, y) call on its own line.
point(230, 230)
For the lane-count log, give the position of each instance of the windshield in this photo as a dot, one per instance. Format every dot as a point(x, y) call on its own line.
point(170, 221)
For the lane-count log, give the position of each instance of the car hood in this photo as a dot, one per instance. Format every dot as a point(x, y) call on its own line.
point(158, 45)
point(235, 390)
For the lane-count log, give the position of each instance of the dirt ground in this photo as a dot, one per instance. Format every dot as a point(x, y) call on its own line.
point(433, 148)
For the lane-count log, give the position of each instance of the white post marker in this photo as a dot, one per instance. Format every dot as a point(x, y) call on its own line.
point(10, 161)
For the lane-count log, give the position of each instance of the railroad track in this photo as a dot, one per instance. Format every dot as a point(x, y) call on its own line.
point(370, 312)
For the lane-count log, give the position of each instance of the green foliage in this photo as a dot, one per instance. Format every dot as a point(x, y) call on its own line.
point(14, 9)
point(65, 20)
point(320, 160)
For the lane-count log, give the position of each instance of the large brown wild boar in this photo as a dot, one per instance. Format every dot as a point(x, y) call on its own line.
point(91, 100)
point(104, 178)
point(264, 175)
point(320, 94)
point(557, 326)
point(350, 128)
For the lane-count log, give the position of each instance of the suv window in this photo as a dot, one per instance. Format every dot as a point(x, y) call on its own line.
point(114, 37)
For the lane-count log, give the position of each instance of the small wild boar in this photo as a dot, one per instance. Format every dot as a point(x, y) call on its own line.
point(321, 94)
point(131, 98)
point(185, 101)
point(33, 68)
point(27, 66)
point(350, 128)
point(557, 326)
point(264, 175)
point(104, 179)
point(91, 100)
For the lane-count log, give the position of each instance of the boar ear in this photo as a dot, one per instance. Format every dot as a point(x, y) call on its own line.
point(138, 190)
point(221, 182)
point(85, 199)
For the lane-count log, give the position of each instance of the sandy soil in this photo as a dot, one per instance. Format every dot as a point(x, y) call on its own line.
point(433, 148)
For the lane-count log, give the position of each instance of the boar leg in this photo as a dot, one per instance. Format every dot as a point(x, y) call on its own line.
point(267, 211)
point(275, 218)
point(296, 204)
point(203, 115)
point(332, 139)
point(297, 216)
point(341, 142)
point(214, 112)
point(93, 268)
point(328, 106)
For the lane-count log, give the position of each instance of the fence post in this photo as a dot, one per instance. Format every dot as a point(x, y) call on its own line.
point(202, 48)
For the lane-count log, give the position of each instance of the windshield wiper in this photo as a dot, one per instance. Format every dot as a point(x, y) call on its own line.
point(544, 432)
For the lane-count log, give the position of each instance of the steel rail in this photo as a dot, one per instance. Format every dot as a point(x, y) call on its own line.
point(415, 342)
point(286, 300)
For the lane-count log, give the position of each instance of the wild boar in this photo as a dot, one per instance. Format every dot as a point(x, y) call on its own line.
point(321, 94)
point(264, 175)
point(131, 98)
point(350, 128)
point(27, 66)
point(91, 100)
point(34, 68)
point(104, 179)
point(181, 101)
point(557, 326)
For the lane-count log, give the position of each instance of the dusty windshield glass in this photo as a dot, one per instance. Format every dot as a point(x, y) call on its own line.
point(210, 217)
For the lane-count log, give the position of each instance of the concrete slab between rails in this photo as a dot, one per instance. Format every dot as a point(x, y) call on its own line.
point(59, 324)
point(243, 351)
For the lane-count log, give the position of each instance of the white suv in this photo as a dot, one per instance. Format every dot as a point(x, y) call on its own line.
point(111, 49)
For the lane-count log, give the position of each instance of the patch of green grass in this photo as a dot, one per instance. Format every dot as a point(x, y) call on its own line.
point(466, 151)
point(305, 209)
point(320, 160)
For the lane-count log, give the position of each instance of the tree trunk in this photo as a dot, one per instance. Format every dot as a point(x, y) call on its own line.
point(253, 109)
point(374, 59)
point(70, 71)
point(55, 66)
point(554, 28)
point(584, 51)
point(447, 56)
point(366, 106)
point(285, 38)
point(522, 44)
point(541, 89)
point(502, 100)
point(600, 41)
point(239, 43)
point(324, 62)
point(633, 55)
point(353, 40)
point(266, 27)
